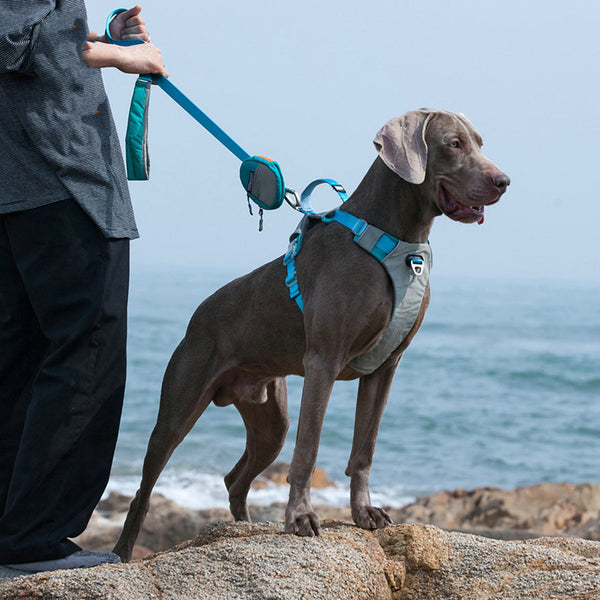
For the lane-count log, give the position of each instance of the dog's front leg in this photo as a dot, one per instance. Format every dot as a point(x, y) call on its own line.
point(318, 383)
point(373, 392)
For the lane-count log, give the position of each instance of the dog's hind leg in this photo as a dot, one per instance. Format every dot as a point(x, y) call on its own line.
point(266, 427)
point(183, 399)
point(373, 392)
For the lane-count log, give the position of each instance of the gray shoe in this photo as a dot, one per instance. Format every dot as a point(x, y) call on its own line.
point(82, 559)
point(8, 573)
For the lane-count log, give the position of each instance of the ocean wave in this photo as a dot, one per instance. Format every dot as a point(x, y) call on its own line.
point(199, 491)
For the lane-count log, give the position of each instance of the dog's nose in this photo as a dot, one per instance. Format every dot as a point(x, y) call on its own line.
point(501, 181)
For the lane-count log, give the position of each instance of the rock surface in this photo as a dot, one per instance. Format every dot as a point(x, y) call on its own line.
point(403, 562)
point(543, 509)
point(169, 524)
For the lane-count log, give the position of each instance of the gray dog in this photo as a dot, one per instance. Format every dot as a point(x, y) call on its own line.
point(246, 338)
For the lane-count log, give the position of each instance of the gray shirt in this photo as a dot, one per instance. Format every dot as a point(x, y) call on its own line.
point(57, 135)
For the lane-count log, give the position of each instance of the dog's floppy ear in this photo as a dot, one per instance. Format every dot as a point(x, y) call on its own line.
point(402, 147)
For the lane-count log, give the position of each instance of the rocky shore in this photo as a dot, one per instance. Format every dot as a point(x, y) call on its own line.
point(533, 542)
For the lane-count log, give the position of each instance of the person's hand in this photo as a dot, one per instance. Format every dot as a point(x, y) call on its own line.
point(139, 58)
point(129, 25)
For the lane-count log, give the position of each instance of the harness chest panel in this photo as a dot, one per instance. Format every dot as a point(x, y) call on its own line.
point(408, 266)
point(409, 289)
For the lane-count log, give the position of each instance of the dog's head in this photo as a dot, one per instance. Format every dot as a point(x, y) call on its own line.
point(442, 152)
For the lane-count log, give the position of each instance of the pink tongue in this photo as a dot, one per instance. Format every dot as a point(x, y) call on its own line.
point(480, 222)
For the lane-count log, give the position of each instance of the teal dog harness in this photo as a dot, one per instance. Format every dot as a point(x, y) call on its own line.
point(408, 266)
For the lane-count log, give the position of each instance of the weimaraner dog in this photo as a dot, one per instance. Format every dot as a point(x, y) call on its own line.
point(246, 338)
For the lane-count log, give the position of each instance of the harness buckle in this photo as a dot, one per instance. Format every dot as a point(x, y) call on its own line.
point(359, 227)
point(293, 249)
point(416, 263)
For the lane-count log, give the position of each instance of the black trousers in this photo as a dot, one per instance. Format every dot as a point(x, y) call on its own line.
point(63, 328)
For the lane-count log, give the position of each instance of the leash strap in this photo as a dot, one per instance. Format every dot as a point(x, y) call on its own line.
point(176, 94)
point(110, 38)
point(137, 125)
point(261, 177)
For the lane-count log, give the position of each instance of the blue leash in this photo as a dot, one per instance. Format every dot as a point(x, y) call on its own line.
point(257, 173)
point(176, 94)
point(261, 177)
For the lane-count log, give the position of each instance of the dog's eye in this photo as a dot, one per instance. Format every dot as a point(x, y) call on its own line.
point(454, 144)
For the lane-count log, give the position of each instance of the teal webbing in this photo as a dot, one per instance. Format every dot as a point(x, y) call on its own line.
point(176, 94)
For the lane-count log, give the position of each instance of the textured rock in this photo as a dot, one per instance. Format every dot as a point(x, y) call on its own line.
point(404, 562)
point(544, 509)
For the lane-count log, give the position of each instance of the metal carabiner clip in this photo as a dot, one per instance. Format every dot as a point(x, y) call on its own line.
point(293, 199)
point(416, 263)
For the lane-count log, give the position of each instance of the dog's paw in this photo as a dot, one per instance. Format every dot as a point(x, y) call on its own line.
point(239, 509)
point(304, 525)
point(371, 517)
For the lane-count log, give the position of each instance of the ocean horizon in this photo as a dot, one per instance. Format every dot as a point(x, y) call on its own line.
point(500, 387)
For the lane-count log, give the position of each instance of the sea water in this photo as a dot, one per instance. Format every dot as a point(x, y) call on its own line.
point(500, 387)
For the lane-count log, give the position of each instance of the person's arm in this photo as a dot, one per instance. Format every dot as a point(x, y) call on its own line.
point(138, 58)
point(141, 58)
point(19, 27)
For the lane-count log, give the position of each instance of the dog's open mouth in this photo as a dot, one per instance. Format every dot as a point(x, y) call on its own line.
point(458, 211)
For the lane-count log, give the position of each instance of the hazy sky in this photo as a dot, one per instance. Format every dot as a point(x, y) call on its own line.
point(310, 83)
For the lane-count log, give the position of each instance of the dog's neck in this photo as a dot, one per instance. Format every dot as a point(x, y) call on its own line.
point(397, 207)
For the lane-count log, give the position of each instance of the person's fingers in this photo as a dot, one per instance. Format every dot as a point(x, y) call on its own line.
point(135, 30)
point(129, 13)
point(92, 36)
point(135, 21)
point(144, 37)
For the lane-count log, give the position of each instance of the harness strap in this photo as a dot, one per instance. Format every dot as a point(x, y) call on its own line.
point(289, 261)
point(291, 279)
point(407, 265)
point(376, 242)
